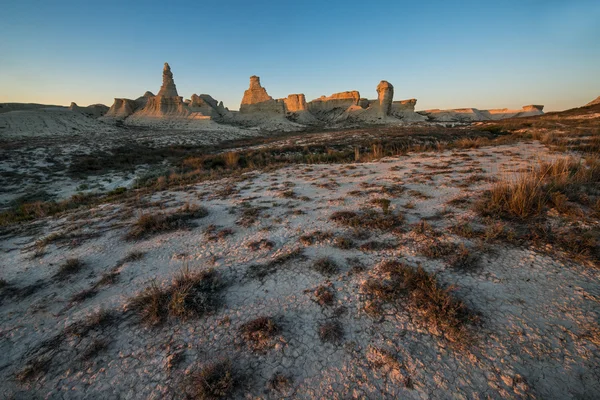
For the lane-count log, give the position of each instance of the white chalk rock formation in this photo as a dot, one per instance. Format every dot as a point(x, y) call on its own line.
point(257, 100)
point(385, 96)
point(121, 109)
point(93, 110)
point(473, 114)
point(167, 103)
point(206, 105)
point(168, 88)
point(297, 110)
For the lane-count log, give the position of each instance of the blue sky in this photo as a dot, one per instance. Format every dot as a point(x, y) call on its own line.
point(446, 54)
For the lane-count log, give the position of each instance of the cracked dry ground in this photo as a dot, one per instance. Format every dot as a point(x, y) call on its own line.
point(278, 254)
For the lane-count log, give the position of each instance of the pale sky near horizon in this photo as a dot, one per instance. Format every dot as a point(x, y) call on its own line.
point(446, 54)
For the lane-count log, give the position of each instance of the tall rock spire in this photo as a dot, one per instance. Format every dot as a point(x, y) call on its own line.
point(168, 88)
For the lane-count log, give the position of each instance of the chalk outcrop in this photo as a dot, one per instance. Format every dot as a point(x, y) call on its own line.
point(385, 96)
point(121, 109)
point(474, 114)
point(168, 88)
point(257, 100)
point(93, 110)
point(206, 105)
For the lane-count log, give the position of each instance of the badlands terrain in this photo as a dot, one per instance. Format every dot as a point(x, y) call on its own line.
point(337, 248)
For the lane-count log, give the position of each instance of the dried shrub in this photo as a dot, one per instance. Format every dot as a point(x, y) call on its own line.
point(435, 307)
point(344, 243)
point(326, 266)
point(259, 333)
point(368, 219)
point(152, 224)
point(260, 271)
point(324, 296)
point(69, 267)
point(191, 294)
point(331, 332)
point(214, 381)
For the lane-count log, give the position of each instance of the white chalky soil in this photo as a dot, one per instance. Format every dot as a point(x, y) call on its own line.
point(538, 335)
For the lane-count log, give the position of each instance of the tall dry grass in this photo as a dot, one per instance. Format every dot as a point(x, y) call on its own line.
point(527, 195)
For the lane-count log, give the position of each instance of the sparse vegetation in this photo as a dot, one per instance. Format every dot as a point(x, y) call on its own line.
point(214, 381)
point(260, 271)
point(331, 332)
point(152, 224)
point(368, 219)
point(259, 333)
point(326, 266)
point(191, 294)
point(69, 267)
point(403, 286)
point(324, 296)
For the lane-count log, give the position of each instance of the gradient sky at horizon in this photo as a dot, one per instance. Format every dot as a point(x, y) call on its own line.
point(446, 54)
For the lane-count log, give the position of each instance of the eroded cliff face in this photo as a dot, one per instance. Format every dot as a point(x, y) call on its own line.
point(385, 96)
point(121, 109)
point(295, 103)
point(168, 88)
point(257, 100)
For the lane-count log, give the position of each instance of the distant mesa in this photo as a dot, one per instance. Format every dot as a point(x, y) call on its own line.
point(474, 114)
point(93, 110)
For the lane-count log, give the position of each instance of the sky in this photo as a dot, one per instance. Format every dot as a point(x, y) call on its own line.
point(446, 54)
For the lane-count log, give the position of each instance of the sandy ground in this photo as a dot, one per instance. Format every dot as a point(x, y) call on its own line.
point(538, 337)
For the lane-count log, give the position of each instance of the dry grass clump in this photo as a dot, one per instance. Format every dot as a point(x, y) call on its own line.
point(368, 219)
point(191, 294)
point(69, 267)
point(248, 215)
point(324, 296)
point(344, 243)
point(260, 271)
point(34, 369)
point(279, 383)
point(375, 245)
point(527, 195)
point(388, 363)
point(261, 244)
point(133, 256)
point(331, 332)
point(462, 258)
point(152, 224)
point(214, 381)
point(259, 333)
point(326, 266)
point(383, 203)
point(315, 237)
point(435, 307)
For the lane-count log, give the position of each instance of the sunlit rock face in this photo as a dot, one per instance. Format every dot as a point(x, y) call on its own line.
point(257, 100)
point(168, 88)
point(206, 105)
point(403, 106)
point(295, 103)
point(167, 103)
point(121, 109)
point(385, 96)
point(337, 101)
